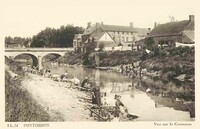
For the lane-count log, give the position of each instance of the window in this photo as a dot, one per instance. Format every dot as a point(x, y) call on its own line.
point(75, 43)
point(122, 32)
point(133, 38)
point(126, 39)
point(123, 39)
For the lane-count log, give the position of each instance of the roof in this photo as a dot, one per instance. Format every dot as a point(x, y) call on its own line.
point(141, 31)
point(117, 28)
point(97, 34)
point(189, 34)
point(89, 30)
point(172, 28)
point(114, 28)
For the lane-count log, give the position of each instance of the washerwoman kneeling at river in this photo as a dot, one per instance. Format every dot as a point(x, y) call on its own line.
point(85, 84)
point(63, 77)
point(121, 111)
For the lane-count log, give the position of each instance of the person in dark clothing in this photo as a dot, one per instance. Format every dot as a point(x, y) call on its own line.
point(126, 68)
point(96, 96)
point(118, 103)
point(122, 68)
point(64, 76)
point(85, 81)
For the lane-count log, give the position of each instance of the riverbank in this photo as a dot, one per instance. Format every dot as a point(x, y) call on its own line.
point(166, 95)
point(57, 99)
point(30, 97)
point(168, 65)
point(19, 104)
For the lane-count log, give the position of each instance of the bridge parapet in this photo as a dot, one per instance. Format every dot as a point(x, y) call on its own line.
point(36, 53)
point(38, 49)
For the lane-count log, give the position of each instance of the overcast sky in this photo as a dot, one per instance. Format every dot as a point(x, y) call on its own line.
point(26, 18)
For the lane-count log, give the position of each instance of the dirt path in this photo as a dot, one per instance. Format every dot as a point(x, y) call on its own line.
point(61, 102)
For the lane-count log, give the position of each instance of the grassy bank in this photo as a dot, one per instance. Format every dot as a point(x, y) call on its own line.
point(175, 65)
point(105, 58)
point(114, 58)
point(71, 58)
point(19, 105)
point(172, 63)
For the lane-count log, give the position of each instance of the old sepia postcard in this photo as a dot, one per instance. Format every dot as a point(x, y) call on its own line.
point(84, 64)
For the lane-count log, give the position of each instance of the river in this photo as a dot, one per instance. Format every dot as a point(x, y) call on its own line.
point(148, 106)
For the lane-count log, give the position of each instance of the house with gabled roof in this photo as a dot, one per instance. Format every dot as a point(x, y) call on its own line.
point(109, 35)
point(100, 39)
point(172, 33)
point(77, 42)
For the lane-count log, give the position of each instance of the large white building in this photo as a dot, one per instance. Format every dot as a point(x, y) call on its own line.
point(109, 35)
point(77, 42)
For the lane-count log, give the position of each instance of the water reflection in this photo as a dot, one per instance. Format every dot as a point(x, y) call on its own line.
point(158, 104)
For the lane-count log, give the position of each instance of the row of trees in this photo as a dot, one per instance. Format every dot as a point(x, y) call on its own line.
point(49, 37)
point(18, 40)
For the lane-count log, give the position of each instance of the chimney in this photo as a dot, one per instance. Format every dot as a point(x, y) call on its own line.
point(191, 17)
point(88, 25)
point(97, 24)
point(155, 24)
point(131, 24)
point(101, 23)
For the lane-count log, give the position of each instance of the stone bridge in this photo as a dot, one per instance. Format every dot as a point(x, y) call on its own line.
point(36, 54)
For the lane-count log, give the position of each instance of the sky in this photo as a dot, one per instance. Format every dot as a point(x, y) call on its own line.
point(26, 18)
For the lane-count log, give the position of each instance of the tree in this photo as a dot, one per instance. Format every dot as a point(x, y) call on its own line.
point(101, 46)
point(149, 43)
point(17, 40)
point(62, 37)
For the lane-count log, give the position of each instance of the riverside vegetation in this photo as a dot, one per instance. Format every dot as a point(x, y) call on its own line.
point(19, 104)
point(174, 64)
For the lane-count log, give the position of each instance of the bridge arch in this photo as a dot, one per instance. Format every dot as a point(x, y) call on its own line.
point(35, 61)
point(36, 53)
point(56, 55)
point(49, 59)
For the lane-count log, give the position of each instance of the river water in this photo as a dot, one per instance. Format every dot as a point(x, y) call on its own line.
point(148, 106)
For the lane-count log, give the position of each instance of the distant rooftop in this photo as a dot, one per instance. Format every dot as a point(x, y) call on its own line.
point(113, 28)
point(173, 28)
point(118, 28)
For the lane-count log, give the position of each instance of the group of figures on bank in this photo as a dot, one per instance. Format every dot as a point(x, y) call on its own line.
point(107, 113)
point(130, 70)
point(45, 72)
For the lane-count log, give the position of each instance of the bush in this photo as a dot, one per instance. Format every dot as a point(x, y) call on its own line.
point(19, 106)
point(182, 51)
point(86, 60)
point(101, 46)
